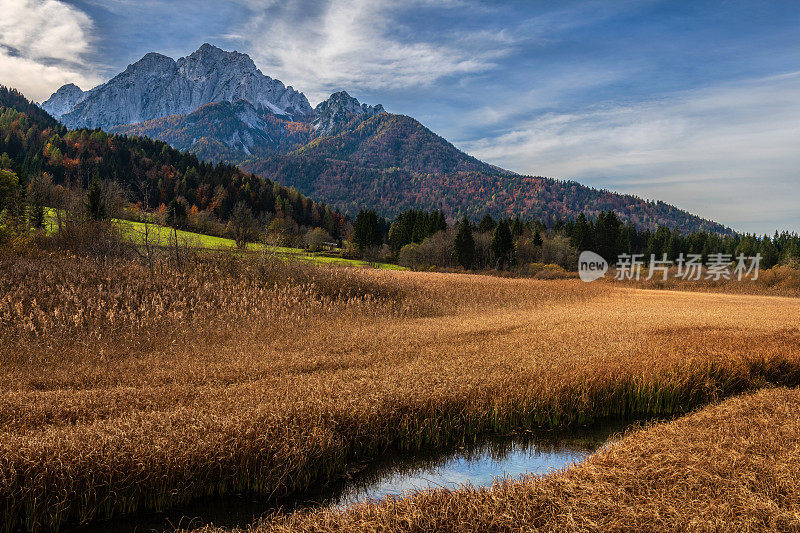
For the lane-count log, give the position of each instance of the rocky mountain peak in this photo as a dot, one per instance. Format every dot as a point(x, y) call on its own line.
point(157, 86)
point(208, 58)
point(338, 110)
point(63, 100)
point(153, 59)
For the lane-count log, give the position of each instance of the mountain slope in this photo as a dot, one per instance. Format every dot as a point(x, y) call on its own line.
point(391, 191)
point(225, 131)
point(338, 110)
point(64, 100)
point(393, 141)
point(241, 131)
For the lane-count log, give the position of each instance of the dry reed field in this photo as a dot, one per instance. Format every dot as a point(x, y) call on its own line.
point(775, 281)
point(734, 466)
point(123, 390)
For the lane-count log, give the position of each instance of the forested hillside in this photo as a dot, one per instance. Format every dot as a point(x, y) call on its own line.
point(392, 163)
point(392, 191)
point(151, 172)
point(394, 141)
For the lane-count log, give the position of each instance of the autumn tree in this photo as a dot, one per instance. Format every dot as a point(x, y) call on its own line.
point(315, 239)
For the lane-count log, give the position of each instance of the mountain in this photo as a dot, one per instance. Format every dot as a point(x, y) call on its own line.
point(237, 131)
point(365, 135)
point(157, 86)
point(219, 106)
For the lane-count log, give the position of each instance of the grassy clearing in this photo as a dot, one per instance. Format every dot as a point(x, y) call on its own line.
point(730, 467)
point(134, 232)
point(121, 391)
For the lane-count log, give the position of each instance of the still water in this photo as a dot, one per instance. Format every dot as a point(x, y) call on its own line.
point(478, 463)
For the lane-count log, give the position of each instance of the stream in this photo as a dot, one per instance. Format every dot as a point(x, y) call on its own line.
point(395, 474)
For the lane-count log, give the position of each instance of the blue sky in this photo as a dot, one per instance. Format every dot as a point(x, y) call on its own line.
point(696, 103)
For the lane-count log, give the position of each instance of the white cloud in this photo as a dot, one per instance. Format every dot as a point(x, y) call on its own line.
point(729, 152)
point(321, 47)
point(43, 44)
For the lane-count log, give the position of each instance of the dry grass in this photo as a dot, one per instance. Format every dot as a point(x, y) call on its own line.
point(730, 467)
point(775, 281)
point(121, 391)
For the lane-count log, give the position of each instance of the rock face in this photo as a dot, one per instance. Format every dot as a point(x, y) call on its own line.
point(158, 86)
point(339, 109)
point(64, 100)
point(224, 131)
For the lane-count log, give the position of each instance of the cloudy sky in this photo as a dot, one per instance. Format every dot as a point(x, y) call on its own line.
point(695, 103)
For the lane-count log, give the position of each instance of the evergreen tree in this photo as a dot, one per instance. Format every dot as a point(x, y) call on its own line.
point(436, 223)
point(769, 255)
point(487, 223)
point(516, 227)
point(420, 226)
point(503, 245)
point(537, 238)
point(606, 231)
point(176, 213)
point(674, 245)
point(465, 244)
point(95, 203)
point(367, 232)
point(581, 238)
point(37, 195)
point(8, 188)
point(402, 229)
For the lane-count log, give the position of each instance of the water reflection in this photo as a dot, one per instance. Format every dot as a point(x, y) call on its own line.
point(478, 463)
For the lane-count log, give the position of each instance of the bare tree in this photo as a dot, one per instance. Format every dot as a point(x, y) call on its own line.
point(242, 225)
point(148, 238)
point(371, 254)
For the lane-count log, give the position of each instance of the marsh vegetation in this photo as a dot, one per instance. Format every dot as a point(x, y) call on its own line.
point(124, 390)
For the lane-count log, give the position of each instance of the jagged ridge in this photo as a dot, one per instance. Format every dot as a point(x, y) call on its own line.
point(158, 86)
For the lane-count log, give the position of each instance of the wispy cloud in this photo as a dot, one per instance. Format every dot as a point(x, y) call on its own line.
point(709, 150)
point(322, 46)
point(43, 44)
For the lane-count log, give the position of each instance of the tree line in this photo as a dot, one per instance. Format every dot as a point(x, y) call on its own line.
point(423, 239)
